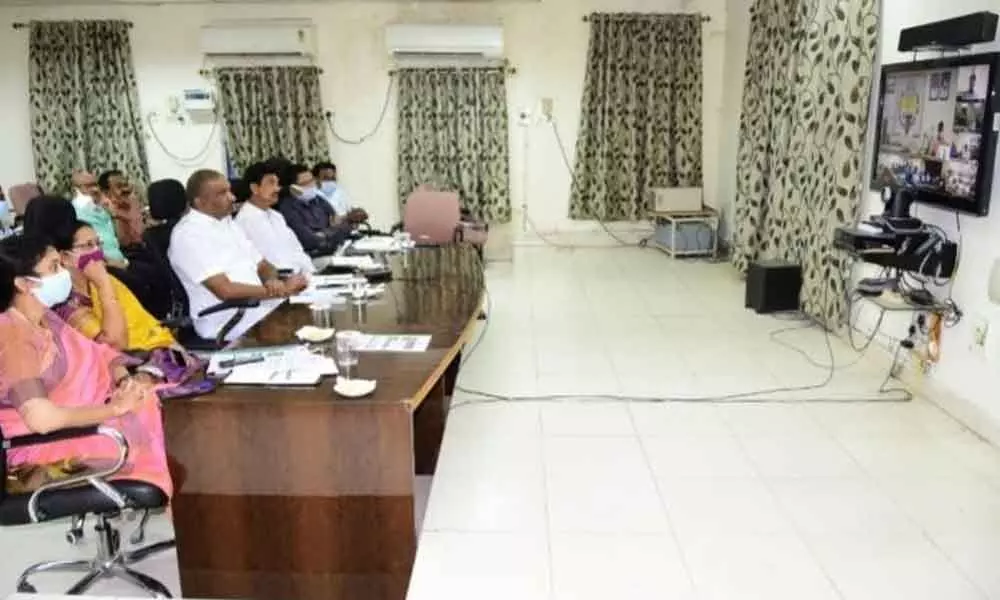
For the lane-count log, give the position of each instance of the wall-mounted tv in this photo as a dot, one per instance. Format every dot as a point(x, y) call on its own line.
point(938, 128)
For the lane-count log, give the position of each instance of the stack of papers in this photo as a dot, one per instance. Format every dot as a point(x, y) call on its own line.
point(364, 262)
point(291, 365)
point(333, 293)
point(375, 243)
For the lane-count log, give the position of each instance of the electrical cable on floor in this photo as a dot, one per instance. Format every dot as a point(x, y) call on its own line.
point(752, 397)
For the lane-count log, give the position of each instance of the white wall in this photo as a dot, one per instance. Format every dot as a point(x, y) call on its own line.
point(972, 375)
point(737, 35)
point(546, 42)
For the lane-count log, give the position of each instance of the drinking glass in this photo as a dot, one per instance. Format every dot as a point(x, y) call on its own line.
point(359, 290)
point(347, 350)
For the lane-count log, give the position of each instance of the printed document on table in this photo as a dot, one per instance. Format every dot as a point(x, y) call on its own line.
point(394, 343)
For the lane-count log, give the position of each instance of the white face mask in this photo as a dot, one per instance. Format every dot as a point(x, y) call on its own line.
point(54, 289)
point(82, 199)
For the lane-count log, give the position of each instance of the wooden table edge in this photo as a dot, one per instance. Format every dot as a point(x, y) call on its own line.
point(414, 402)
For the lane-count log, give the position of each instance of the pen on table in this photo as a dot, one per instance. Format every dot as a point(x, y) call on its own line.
point(236, 362)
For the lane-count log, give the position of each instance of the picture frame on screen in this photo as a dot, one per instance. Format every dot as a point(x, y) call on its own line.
point(937, 130)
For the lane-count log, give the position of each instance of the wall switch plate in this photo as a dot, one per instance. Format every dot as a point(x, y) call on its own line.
point(547, 106)
point(980, 334)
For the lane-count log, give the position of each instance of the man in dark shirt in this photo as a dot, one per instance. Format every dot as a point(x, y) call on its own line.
point(310, 216)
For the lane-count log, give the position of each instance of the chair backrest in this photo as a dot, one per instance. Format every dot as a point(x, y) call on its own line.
point(431, 217)
point(167, 200)
point(167, 204)
point(20, 195)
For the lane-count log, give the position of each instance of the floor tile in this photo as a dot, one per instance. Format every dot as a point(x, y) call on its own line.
point(684, 456)
point(688, 419)
point(602, 566)
point(975, 554)
point(846, 505)
point(717, 507)
point(601, 485)
point(906, 566)
point(486, 566)
point(755, 567)
point(800, 456)
point(591, 418)
point(490, 484)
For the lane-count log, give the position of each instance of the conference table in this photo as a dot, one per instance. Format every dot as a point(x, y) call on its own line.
point(299, 494)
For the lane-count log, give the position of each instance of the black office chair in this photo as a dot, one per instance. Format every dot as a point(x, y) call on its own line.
point(167, 204)
point(88, 493)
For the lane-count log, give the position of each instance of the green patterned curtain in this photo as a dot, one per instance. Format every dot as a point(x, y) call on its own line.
point(453, 130)
point(84, 104)
point(641, 112)
point(272, 111)
point(802, 136)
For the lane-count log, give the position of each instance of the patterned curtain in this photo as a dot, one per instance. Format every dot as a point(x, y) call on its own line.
point(640, 122)
point(84, 104)
point(802, 136)
point(272, 111)
point(453, 131)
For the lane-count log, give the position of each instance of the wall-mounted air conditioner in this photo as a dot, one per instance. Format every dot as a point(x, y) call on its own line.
point(278, 37)
point(472, 41)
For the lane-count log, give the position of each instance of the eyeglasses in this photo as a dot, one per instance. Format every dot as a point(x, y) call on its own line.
point(91, 245)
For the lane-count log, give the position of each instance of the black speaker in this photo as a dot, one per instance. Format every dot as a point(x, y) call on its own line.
point(975, 28)
point(773, 286)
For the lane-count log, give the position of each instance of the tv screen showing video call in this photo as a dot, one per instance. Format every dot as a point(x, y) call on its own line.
point(931, 128)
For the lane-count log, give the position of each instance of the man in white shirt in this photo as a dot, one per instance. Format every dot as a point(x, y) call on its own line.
point(334, 193)
point(265, 227)
point(216, 262)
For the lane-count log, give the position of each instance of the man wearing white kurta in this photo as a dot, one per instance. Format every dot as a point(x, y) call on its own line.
point(265, 227)
point(216, 262)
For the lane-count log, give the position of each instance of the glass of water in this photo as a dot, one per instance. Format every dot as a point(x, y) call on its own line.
point(359, 289)
point(347, 350)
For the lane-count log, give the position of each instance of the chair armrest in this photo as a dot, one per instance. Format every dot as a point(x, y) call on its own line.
point(230, 304)
point(95, 479)
point(37, 439)
point(176, 322)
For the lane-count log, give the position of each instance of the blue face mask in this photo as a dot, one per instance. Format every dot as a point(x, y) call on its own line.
point(308, 193)
point(54, 289)
point(329, 188)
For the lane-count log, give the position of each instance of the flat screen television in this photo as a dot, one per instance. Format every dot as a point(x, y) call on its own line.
point(938, 128)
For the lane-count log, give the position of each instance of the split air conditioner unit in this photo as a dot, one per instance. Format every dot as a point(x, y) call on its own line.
point(444, 41)
point(278, 37)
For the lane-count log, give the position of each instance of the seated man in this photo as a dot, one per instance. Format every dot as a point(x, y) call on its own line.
point(264, 226)
point(326, 175)
point(123, 204)
point(90, 209)
point(312, 219)
point(215, 261)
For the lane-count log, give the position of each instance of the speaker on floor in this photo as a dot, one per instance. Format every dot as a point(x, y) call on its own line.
point(773, 286)
point(975, 28)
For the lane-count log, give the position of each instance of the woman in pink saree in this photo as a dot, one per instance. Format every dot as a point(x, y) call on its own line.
point(52, 377)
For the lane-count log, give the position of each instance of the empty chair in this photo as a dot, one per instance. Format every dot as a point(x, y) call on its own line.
point(20, 195)
point(431, 217)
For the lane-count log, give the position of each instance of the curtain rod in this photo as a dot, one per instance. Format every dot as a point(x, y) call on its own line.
point(509, 69)
point(704, 18)
point(26, 25)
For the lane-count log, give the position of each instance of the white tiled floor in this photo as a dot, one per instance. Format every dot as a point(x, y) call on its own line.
point(691, 500)
point(573, 500)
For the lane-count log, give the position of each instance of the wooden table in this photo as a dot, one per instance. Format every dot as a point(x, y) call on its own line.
point(297, 494)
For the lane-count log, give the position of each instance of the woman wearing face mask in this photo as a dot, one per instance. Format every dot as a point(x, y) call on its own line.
point(52, 377)
point(105, 310)
point(101, 307)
